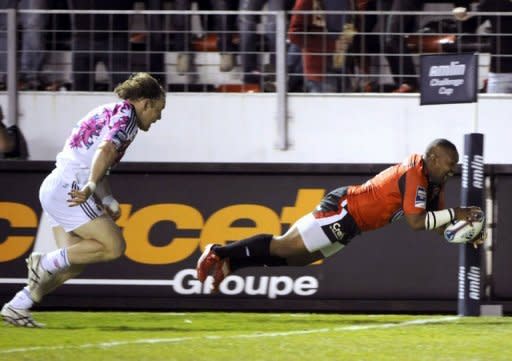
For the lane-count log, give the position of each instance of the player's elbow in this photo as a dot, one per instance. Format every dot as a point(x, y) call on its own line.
point(417, 223)
point(418, 226)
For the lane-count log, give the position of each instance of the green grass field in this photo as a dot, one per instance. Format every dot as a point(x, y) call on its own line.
point(95, 336)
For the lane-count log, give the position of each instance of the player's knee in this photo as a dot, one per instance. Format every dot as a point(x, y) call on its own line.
point(119, 249)
point(114, 250)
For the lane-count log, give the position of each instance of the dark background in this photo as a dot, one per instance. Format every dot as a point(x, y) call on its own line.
point(394, 269)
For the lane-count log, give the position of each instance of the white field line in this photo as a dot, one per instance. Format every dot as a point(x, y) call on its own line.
point(242, 336)
point(106, 282)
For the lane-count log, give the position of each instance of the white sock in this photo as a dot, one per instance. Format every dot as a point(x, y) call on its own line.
point(22, 300)
point(55, 261)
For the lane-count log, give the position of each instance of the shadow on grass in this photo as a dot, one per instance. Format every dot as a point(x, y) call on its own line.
point(157, 329)
point(124, 328)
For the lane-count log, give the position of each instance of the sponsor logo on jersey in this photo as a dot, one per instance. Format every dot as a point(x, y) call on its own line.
point(421, 198)
point(336, 231)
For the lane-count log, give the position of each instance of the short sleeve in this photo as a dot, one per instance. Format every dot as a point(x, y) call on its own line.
point(415, 192)
point(119, 125)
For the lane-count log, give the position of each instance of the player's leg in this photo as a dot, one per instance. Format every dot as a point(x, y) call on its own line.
point(291, 247)
point(98, 240)
point(64, 240)
point(304, 243)
point(17, 310)
point(249, 252)
point(102, 241)
point(315, 236)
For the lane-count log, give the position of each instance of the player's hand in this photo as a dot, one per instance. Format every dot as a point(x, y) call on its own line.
point(470, 214)
point(460, 13)
point(113, 213)
point(79, 196)
point(111, 206)
point(480, 239)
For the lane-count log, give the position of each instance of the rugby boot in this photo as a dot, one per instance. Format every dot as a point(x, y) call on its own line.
point(222, 270)
point(18, 317)
point(206, 262)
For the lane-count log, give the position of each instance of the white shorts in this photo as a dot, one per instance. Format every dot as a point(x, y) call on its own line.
point(330, 226)
point(54, 196)
point(315, 238)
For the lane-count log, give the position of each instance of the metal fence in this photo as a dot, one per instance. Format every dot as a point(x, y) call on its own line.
point(301, 51)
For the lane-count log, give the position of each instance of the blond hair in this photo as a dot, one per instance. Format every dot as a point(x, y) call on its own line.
point(140, 86)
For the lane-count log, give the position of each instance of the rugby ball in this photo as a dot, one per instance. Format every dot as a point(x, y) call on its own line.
point(462, 231)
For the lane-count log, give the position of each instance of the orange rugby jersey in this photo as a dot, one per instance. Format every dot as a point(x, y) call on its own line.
point(398, 190)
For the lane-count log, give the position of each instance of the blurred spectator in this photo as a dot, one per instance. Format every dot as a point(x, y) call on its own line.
point(183, 37)
point(500, 74)
point(323, 39)
point(99, 38)
point(366, 46)
point(32, 43)
point(226, 26)
point(251, 62)
point(152, 40)
point(12, 142)
point(401, 64)
point(294, 68)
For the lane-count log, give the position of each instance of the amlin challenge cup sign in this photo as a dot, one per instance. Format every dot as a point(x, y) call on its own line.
point(448, 78)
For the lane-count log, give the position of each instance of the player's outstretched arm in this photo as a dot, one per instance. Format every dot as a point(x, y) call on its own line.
point(434, 220)
point(439, 220)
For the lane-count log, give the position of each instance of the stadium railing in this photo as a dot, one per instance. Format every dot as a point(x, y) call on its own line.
point(360, 67)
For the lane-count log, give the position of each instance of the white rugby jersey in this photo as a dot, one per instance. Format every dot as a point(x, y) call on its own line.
point(114, 122)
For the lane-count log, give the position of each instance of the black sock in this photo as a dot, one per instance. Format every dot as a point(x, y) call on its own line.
point(253, 251)
point(256, 246)
point(270, 261)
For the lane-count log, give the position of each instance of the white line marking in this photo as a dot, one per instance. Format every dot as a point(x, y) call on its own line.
point(107, 282)
point(169, 314)
point(250, 335)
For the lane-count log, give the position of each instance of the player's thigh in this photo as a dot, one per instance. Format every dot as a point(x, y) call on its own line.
point(103, 230)
point(288, 245)
point(292, 247)
point(325, 235)
point(64, 239)
point(54, 195)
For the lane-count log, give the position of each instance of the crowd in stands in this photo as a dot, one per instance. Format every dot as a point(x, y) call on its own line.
point(329, 49)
